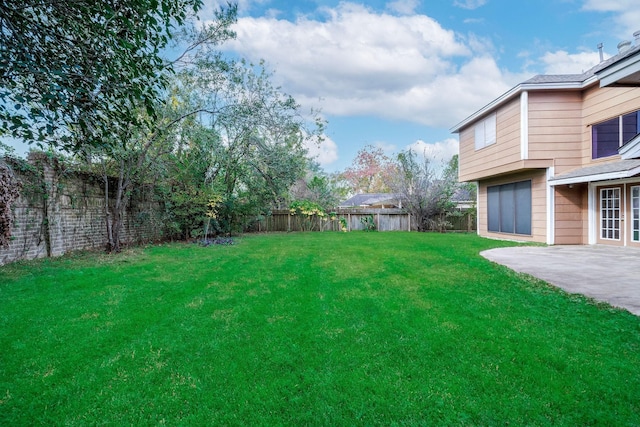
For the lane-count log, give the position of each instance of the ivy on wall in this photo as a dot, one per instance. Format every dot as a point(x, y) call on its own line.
point(9, 192)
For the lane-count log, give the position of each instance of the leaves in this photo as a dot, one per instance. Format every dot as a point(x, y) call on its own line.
point(72, 72)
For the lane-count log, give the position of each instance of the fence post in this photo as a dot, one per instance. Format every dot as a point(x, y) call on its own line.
point(409, 221)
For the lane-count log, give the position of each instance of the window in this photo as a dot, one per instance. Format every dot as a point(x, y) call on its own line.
point(610, 213)
point(509, 208)
point(635, 214)
point(607, 137)
point(486, 132)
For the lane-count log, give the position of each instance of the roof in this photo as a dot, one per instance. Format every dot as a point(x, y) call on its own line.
point(369, 199)
point(603, 172)
point(554, 81)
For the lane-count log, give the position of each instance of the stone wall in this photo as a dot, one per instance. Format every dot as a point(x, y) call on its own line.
point(60, 211)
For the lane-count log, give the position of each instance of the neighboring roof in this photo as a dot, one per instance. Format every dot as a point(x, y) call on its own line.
point(369, 199)
point(616, 170)
point(555, 81)
point(462, 194)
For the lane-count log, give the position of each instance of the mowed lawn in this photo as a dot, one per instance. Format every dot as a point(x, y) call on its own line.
point(308, 329)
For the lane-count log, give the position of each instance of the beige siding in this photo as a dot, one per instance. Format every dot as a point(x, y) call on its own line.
point(555, 128)
point(538, 206)
point(474, 163)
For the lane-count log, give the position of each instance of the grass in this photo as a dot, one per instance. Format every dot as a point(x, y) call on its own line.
point(308, 329)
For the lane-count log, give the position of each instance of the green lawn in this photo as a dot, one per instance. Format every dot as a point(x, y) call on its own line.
point(308, 329)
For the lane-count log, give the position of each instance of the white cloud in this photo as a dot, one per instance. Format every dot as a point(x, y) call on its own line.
point(359, 62)
point(403, 7)
point(438, 152)
point(562, 62)
point(469, 4)
point(625, 19)
point(324, 153)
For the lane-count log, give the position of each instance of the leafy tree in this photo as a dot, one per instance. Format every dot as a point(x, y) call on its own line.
point(424, 194)
point(260, 152)
point(138, 153)
point(370, 171)
point(319, 187)
point(74, 73)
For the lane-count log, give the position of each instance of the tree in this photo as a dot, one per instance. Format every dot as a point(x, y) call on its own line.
point(424, 194)
point(74, 73)
point(370, 171)
point(318, 187)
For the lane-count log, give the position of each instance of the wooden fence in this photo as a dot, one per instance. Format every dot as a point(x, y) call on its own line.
point(384, 219)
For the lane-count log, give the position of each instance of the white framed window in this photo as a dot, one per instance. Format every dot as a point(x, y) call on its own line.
point(486, 132)
point(635, 214)
point(610, 214)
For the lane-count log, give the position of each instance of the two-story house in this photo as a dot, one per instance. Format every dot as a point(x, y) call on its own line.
point(557, 158)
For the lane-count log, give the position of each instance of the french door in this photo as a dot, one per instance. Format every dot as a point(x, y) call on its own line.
point(610, 215)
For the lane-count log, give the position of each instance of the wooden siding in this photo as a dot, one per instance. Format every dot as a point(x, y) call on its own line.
point(571, 215)
point(555, 128)
point(538, 206)
point(479, 163)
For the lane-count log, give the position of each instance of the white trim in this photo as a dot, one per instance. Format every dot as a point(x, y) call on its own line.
point(518, 89)
point(550, 208)
point(631, 149)
point(631, 229)
point(524, 125)
point(623, 211)
point(598, 177)
point(591, 213)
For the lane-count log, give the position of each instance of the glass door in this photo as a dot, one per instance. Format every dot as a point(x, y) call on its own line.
point(635, 214)
point(610, 213)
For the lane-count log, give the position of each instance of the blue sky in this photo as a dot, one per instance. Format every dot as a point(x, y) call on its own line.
point(400, 73)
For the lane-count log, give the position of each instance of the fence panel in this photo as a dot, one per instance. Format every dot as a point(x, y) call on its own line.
point(385, 220)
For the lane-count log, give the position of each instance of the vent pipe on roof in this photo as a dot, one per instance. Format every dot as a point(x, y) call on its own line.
point(624, 46)
point(600, 45)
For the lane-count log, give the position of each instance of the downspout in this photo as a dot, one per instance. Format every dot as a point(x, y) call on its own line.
point(551, 202)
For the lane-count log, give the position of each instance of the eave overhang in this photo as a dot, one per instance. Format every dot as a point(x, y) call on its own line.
point(623, 73)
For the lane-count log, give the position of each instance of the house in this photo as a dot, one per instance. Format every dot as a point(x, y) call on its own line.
point(556, 159)
point(372, 200)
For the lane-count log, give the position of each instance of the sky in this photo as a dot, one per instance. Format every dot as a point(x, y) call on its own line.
point(400, 74)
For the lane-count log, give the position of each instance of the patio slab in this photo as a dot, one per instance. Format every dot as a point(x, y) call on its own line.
point(604, 273)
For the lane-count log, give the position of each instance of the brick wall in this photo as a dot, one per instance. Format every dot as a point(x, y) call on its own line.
point(60, 211)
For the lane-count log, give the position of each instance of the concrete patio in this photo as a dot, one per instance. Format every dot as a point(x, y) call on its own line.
point(604, 273)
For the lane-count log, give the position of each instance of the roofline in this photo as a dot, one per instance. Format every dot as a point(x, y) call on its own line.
point(522, 87)
point(596, 177)
point(610, 74)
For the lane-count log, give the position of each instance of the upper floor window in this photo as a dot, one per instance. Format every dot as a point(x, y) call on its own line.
point(607, 137)
point(486, 132)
